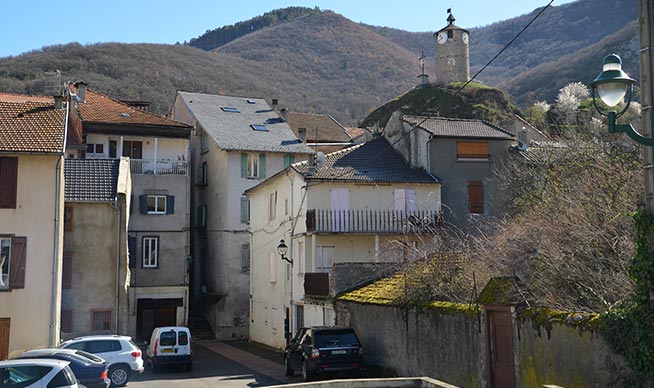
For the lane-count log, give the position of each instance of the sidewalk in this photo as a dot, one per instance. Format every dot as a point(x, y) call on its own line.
point(260, 358)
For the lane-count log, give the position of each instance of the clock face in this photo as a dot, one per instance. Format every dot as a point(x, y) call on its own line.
point(441, 37)
point(464, 38)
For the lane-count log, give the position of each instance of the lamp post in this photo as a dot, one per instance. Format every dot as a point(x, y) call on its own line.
point(282, 249)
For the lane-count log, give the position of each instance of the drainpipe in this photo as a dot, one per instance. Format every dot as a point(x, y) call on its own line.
point(56, 257)
point(116, 205)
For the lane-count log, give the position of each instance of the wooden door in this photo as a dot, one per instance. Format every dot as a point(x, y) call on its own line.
point(4, 338)
point(500, 337)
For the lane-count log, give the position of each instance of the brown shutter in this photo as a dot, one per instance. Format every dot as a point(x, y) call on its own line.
point(17, 262)
point(475, 197)
point(67, 270)
point(8, 182)
point(67, 321)
point(469, 149)
point(5, 324)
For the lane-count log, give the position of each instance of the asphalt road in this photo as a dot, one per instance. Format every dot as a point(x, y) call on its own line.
point(209, 370)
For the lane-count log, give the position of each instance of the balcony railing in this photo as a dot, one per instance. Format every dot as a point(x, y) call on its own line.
point(373, 221)
point(316, 284)
point(158, 167)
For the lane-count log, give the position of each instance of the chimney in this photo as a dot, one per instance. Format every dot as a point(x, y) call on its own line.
point(284, 113)
point(303, 134)
point(275, 104)
point(81, 90)
point(59, 102)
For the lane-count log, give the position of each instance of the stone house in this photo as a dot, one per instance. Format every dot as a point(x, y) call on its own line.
point(461, 152)
point(159, 216)
point(95, 273)
point(345, 220)
point(32, 142)
point(238, 142)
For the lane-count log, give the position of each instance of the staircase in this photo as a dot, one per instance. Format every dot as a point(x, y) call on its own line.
point(200, 328)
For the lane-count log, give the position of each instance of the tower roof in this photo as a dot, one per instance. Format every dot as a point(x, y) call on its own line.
point(450, 24)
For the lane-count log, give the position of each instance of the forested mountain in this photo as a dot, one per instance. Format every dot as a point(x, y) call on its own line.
point(319, 61)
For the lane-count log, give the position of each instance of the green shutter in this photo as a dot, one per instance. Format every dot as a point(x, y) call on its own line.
point(170, 204)
point(262, 165)
point(244, 165)
point(245, 210)
point(288, 160)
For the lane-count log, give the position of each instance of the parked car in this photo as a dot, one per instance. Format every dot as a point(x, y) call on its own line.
point(36, 373)
point(89, 370)
point(170, 345)
point(123, 357)
point(321, 349)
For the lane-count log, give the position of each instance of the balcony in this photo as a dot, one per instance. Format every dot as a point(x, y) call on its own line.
point(370, 221)
point(158, 167)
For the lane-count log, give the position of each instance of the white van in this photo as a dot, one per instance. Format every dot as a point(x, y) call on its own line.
point(170, 345)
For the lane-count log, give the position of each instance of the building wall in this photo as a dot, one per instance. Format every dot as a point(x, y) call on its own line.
point(456, 174)
point(30, 308)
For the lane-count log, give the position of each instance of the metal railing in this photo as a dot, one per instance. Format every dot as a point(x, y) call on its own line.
point(158, 167)
point(373, 221)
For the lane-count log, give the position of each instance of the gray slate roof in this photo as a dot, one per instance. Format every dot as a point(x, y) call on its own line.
point(450, 127)
point(90, 180)
point(374, 161)
point(233, 131)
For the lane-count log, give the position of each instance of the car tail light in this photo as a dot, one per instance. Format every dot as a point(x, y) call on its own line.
point(136, 353)
point(156, 346)
point(103, 375)
point(190, 344)
point(315, 353)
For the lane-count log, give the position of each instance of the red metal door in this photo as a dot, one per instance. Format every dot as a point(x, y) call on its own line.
point(500, 337)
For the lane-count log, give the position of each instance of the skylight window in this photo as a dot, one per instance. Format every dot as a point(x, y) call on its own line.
point(230, 109)
point(259, 127)
point(250, 101)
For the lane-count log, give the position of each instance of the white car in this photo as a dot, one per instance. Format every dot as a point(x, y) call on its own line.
point(169, 346)
point(36, 373)
point(123, 357)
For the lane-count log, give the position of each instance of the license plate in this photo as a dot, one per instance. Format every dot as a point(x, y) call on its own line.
point(166, 350)
point(339, 351)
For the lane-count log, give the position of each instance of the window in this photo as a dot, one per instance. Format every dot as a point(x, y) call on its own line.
point(405, 200)
point(182, 338)
point(150, 252)
point(259, 127)
point(272, 206)
point(12, 262)
point(94, 149)
point(63, 378)
point(203, 177)
point(204, 142)
point(288, 159)
point(253, 165)
point(201, 221)
point(113, 146)
point(475, 197)
point(156, 204)
point(8, 182)
point(101, 321)
point(271, 267)
point(68, 218)
point(245, 209)
point(133, 149)
point(67, 270)
point(450, 34)
point(324, 258)
point(67, 321)
point(229, 109)
point(245, 257)
point(472, 150)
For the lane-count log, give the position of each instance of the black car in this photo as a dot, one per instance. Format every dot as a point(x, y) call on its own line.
point(89, 369)
point(320, 350)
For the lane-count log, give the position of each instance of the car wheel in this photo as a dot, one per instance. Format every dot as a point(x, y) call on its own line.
point(287, 366)
point(118, 376)
point(307, 375)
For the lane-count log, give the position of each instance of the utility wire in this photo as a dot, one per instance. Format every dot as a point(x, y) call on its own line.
point(505, 47)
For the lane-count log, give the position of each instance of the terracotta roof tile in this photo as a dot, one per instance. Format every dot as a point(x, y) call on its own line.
point(30, 126)
point(99, 108)
point(12, 97)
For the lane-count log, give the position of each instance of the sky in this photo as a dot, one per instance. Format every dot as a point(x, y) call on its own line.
point(31, 25)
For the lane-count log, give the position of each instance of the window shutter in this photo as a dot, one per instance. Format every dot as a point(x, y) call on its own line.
point(475, 197)
point(288, 159)
point(143, 204)
point(170, 204)
point(262, 165)
point(67, 270)
point(410, 200)
point(244, 165)
point(245, 210)
point(8, 182)
point(245, 257)
point(17, 262)
point(132, 254)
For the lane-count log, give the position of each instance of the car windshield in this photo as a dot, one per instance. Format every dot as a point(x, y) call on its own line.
point(336, 337)
point(18, 376)
point(167, 338)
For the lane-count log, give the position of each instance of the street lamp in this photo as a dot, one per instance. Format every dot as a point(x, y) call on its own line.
point(282, 249)
point(612, 85)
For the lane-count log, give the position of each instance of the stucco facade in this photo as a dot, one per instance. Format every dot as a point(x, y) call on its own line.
point(278, 288)
point(33, 310)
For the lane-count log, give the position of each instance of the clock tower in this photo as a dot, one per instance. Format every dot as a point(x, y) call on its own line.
point(452, 53)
